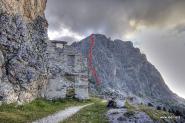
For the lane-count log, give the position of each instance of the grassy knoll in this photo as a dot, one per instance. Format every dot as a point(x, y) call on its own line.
point(94, 113)
point(150, 111)
point(155, 114)
point(37, 109)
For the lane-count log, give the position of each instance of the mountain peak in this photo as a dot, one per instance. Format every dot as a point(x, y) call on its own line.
point(124, 68)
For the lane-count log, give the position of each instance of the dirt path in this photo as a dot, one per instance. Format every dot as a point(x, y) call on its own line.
point(61, 115)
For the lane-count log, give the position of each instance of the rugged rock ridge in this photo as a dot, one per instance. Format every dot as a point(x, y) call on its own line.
point(23, 36)
point(123, 70)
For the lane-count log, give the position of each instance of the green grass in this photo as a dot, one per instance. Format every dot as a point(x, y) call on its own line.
point(153, 113)
point(129, 106)
point(37, 109)
point(150, 111)
point(94, 113)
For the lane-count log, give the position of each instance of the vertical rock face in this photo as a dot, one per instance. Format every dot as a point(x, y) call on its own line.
point(23, 33)
point(28, 9)
point(68, 74)
point(123, 69)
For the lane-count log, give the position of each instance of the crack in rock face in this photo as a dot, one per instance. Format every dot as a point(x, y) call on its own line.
point(23, 36)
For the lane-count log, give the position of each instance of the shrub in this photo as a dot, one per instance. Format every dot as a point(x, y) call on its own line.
point(178, 113)
point(129, 114)
point(164, 109)
point(158, 108)
point(149, 104)
point(169, 111)
point(173, 111)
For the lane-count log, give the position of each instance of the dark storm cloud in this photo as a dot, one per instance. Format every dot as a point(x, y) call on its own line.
point(112, 17)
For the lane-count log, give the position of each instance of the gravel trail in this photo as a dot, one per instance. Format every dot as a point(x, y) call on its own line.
point(61, 115)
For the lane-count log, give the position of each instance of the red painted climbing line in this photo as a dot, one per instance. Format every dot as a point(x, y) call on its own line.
point(90, 59)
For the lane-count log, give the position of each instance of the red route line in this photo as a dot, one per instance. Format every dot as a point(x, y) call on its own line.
point(90, 59)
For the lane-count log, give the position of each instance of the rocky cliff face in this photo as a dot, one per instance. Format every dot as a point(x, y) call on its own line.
point(28, 9)
point(124, 70)
point(23, 32)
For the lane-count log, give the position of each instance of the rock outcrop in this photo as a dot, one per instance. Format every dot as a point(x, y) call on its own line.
point(124, 70)
point(123, 116)
point(23, 36)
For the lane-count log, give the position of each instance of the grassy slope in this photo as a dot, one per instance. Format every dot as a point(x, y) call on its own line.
point(150, 111)
point(153, 113)
point(34, 110)
point(94, 113)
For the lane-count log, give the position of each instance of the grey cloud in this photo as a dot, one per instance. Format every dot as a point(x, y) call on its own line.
point(111, 17)
point(180, 28)
point(166, 51)
point(66, 38)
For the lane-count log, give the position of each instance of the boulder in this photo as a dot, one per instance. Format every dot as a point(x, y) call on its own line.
point(120, 103)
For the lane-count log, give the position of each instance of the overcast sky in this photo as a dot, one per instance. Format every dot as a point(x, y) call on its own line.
point(157, 27)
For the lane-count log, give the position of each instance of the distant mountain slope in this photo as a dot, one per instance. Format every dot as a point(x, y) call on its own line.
point(124, 69)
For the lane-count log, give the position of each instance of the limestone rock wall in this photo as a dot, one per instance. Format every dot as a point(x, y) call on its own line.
point(23, 36)
point(81, 88)
point(67, 72)
point(56, 88)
